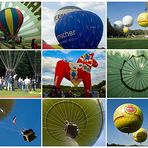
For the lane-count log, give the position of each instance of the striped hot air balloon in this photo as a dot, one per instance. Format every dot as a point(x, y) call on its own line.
point(11, 20)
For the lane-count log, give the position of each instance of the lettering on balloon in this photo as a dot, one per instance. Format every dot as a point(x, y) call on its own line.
point(66, 34)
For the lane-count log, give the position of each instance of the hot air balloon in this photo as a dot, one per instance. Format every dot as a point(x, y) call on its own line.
point(76, 72)
point(5, 107)
point(125, 29)
point(118, 25)
point(79, 30)
point(140, 135)
point(69, 122)
point(127, 21)
point(143, 19)
point(128, 118)
point(65, 10)
point(11, 20)
point(10, 60)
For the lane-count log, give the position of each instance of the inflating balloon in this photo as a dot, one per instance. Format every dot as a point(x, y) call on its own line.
point(140, 135)
point(10, 60)
point(143, 19)
point(65, 10)
point(125, 29)
point(5, 107)
point(76, 72)
point(79, 30)
point(11, 20)
point(118, 25)
point(128, 118)
point(71, 122)
point(127, 21)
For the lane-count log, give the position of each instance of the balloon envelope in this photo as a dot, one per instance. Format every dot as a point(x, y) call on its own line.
point(87, 114)
point(65, 10)
point(5, 107)
point(143, 19)
point(140, 135)
point(118, 24)
point(11, 20)
point(79, 30)
point(127, 21)
point(125, 29)
point(128, 118)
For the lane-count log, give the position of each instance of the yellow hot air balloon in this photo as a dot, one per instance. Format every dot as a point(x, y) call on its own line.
point(140, 135)
point(128, 118)
point(125, 29)
point(5, 107)
point(143, 19)
point(71, 122)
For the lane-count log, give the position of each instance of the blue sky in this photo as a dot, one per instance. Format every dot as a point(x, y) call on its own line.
point(117, 10)
point(50, 8)
point(114, 135)
point(102, 139)
point(50, 59)
point(28, 114)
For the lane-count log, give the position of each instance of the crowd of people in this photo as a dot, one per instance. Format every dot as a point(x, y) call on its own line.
point(53, 93)
point(11, 83)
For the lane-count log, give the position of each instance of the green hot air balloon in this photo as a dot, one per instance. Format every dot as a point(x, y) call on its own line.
point(72, 122)
point(5, 107)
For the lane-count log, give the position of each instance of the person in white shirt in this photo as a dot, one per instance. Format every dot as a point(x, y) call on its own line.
point(27, 83)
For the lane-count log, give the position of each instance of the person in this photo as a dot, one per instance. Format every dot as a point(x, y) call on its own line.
point(19, 83)
point(34, 44)
point(9, 81)
point(33, 84)
point(13, 43)
point(27, 83)
point(1, 83)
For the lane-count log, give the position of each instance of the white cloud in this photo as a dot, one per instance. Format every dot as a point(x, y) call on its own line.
point(49, 64)
point(48, 25)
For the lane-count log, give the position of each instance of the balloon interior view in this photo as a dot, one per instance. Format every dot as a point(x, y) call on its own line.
point(72, 122)
point(79, 30)
point(20, 24)
point(127, 73)
point(11, 60)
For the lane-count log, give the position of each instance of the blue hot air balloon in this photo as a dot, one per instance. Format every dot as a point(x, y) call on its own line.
point(11, 20)
point(79, 30)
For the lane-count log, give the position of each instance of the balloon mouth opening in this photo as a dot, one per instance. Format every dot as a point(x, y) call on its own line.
point(71, 129)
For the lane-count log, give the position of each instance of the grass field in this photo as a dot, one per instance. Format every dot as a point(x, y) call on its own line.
point(127, 43)
point(20, 94)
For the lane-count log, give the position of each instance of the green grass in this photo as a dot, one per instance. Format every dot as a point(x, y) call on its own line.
point(19, 93)
point(127, 43)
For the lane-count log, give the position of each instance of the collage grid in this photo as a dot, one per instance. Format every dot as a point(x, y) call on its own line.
point(73, 74)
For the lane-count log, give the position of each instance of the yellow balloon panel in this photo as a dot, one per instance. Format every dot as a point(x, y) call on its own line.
point(87, 114)
point(128, 118)
point(143, 19)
